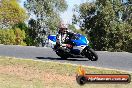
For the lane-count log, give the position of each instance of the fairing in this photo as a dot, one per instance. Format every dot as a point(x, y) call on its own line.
point(80, 40)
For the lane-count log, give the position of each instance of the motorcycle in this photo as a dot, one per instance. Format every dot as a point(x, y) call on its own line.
point(77, 46)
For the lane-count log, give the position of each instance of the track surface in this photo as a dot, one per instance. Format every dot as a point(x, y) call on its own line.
point(114, 60)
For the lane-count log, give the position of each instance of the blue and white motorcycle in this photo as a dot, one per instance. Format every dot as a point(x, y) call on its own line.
point(77, 46)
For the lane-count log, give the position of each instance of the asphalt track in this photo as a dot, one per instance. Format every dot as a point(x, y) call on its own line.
point(113, 60)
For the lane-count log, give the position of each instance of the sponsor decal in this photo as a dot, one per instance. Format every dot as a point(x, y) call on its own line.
point(83, 78)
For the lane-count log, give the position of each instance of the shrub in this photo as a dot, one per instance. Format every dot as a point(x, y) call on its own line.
point(12, 37)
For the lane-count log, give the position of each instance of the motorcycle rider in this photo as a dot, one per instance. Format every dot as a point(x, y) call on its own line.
point(65, 45)
point(61, 35)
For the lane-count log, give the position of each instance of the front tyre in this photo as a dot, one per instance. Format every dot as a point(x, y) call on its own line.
point(91, 54)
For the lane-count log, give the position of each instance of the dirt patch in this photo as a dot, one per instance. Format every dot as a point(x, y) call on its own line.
point(29, 74)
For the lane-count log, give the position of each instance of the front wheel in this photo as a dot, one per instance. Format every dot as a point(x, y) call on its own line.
point(91, 54)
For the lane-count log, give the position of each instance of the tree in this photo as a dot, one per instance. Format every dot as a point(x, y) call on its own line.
point(12, 37)
point(7, 37)
point(46, 16)
point(21, 25)
point(72, 27)
point(127, 15)
point(20, 36)
point(103, 21)
point(32, 33)
point(46, 11)
point(11, 13)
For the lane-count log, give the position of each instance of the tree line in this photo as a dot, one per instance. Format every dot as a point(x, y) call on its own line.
point(106, 23)
point(13, 17)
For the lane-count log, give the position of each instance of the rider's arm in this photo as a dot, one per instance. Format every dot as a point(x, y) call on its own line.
point(57, 39)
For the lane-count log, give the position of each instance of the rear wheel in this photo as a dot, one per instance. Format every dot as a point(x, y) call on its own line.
point(91, 54)
point(62, 54)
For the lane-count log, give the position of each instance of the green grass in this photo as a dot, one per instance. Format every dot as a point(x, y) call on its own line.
point(21, 73)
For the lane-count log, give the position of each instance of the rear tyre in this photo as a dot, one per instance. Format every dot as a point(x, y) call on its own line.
point(62, 54)
point(91, 54)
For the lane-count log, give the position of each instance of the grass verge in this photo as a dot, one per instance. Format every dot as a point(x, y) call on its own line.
point(21, 73)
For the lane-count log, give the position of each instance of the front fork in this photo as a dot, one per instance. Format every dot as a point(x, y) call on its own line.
point(87, 47)
point(84, 50)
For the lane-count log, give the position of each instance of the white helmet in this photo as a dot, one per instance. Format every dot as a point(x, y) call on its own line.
point(63, 26)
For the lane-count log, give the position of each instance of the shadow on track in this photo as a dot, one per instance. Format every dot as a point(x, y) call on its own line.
point(51, 58)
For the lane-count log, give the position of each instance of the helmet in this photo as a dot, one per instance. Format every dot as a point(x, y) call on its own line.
point(63, 26)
